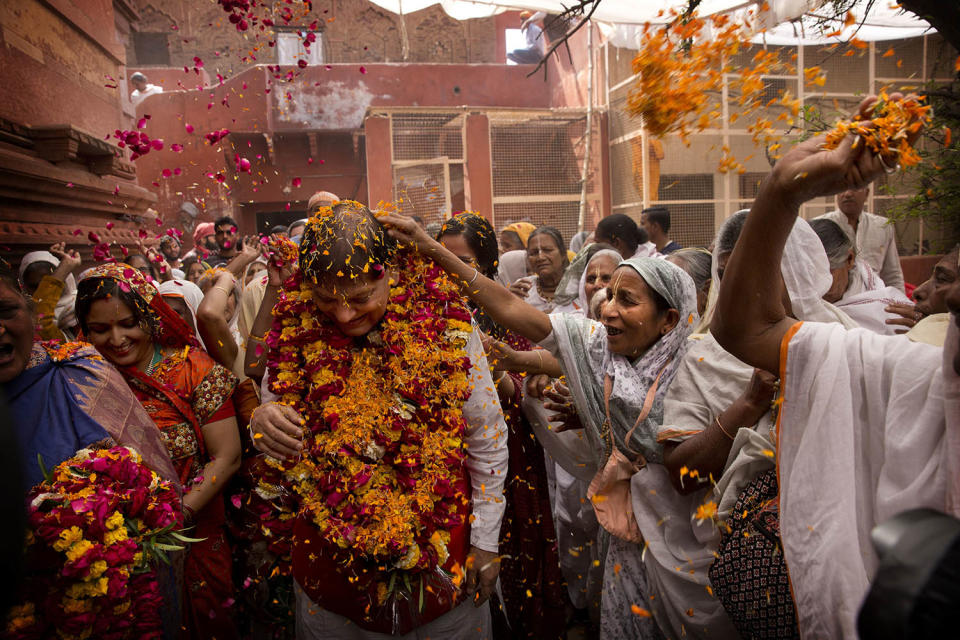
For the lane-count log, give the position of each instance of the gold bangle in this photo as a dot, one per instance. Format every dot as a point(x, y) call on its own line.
point(226, 291)
point(722, 429)
point(540, 358)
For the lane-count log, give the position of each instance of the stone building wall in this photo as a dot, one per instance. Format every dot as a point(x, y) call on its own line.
point(353, 31)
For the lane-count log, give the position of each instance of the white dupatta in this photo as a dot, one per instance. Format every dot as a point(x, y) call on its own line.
point(863, 435)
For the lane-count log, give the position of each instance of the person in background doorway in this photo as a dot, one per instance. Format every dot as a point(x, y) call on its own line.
point(873, 238)
point(656, 222)
point(142, 88)
point(533, 34)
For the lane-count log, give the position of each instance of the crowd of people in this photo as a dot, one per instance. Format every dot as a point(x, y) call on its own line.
point(381, 431)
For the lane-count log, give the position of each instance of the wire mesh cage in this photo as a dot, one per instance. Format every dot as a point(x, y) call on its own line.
point(537, 164)
point(645, 171)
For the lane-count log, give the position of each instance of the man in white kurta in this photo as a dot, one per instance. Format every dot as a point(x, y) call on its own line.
point(871, 234)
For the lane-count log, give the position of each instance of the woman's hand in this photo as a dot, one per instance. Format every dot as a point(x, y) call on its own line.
point(250, 249)
point(276, 430)
point(759, 395)
point(157, 258)
point(69, 261)
point(521, 288)
point(537, 385)
point(905, 315)
point(809, 171)
point(499, 354)
point(408, 232)
point(559, 400)
point(279, 269)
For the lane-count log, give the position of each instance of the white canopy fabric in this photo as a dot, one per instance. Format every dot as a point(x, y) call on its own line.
point(787, 22)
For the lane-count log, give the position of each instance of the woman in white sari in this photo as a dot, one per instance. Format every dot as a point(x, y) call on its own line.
point(625, 363)
point(717, 428)
point(856, 287)
point(868, 424)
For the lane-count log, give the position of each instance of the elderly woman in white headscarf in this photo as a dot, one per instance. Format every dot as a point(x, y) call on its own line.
point(856, 288)
point(867, 426)
point(184, 297)
point(618, 371)
point(48, 278)
point(589, 272)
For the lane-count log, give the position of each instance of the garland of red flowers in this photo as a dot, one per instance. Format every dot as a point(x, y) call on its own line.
point(384, 452)
point(101, 523)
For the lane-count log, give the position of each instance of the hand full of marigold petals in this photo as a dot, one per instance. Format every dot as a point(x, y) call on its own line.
point(889, 130)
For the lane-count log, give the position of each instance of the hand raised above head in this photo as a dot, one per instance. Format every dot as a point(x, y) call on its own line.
point(408, 232)
point(810, 170)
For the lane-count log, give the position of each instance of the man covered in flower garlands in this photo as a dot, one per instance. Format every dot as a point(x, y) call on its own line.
point(380, 410)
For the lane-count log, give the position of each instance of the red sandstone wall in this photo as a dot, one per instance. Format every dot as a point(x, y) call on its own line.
point(326, 103)
point(54, 71)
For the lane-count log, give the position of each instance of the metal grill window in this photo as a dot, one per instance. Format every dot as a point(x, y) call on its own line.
point(685, 178)
point(537, 160)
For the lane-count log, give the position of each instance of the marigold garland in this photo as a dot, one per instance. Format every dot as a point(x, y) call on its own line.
point(384, 445)
point(99, 527)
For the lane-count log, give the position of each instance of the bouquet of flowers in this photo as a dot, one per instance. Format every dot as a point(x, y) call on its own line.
point(100, 525)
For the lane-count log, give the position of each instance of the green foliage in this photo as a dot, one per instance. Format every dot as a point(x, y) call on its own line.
point(936, 200)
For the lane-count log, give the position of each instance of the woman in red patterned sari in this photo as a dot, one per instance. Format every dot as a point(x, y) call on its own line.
point(188, 396)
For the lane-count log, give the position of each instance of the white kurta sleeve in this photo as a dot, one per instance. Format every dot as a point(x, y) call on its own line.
point(265, 394)
point(890, 271)
point(486, 441)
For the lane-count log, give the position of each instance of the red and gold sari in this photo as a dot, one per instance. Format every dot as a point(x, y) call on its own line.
point(185, 391)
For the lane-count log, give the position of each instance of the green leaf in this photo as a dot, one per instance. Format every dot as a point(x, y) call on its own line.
point(47, 475)
point(183, 538)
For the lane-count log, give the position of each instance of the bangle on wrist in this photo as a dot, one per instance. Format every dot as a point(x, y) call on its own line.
point(225, 290)
point(476, 274)
point(725, 432)
point(540, 358)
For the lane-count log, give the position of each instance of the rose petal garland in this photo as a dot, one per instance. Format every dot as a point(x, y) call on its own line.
point(384, 453)
point(99, 527)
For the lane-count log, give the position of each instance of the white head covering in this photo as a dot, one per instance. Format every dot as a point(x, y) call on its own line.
point(190, 293)
point(806, 274)
point(246, 272)
point(586, 361)
point(612, 254)
point(512, 266)
point(64, 311)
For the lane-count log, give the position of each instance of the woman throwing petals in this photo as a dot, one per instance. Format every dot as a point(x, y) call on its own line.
point(618, 371)
point(870, 421)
